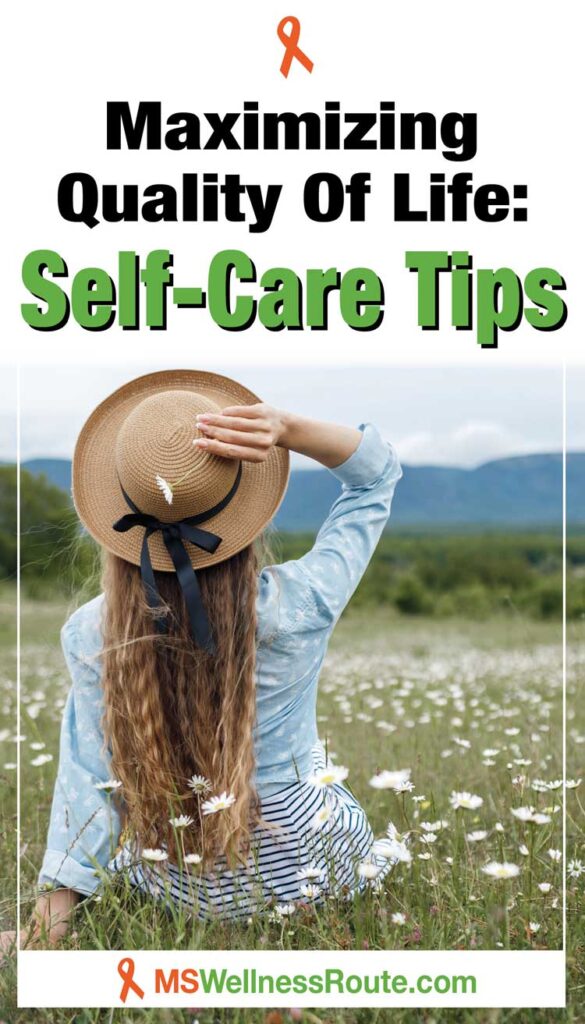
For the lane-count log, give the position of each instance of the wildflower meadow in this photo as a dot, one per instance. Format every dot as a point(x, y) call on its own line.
point(449, 733)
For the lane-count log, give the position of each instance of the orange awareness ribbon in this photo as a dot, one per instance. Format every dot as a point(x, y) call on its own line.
point(292, 50)
point(126, 972)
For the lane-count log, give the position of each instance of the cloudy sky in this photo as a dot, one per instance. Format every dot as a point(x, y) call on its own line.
point(451, 415)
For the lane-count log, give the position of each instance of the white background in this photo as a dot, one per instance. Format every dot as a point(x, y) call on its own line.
point(523, 978)
point(514, 64)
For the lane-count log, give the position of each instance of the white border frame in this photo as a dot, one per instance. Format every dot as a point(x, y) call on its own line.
point(521, 984)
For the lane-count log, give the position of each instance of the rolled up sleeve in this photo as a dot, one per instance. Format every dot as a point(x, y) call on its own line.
point(319, 585)
point(373, 460)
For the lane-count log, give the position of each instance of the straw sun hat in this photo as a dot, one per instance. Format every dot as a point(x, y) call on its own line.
point(143, 490)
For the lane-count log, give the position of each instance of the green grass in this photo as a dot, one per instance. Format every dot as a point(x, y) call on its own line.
point(395, 693)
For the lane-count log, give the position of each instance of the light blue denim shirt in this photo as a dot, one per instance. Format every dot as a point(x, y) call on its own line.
point(298, 604)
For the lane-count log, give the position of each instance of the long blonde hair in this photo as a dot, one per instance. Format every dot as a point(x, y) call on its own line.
point(172, 711)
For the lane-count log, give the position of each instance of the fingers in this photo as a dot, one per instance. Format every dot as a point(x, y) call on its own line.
point(245, 411)
point(233, 422)
point(232, 451)
point(237, 432)
point(232, 435)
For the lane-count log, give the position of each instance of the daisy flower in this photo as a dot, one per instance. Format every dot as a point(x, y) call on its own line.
point(166, 488)
point(501, 871)
point(218, 803)
point(383, 848)
point(477, 836)
point(310, 891)
point(465, 801)
point(41, 759)
point(556, 855)
point(110, 786)
point(406, 787)
point(539, 786)
point(154, 855)
point(572, 783)
point(199, 784)
point(575, 868)
point(391, 780)
point(183, 821)
point(310, 874)
point(534, 927)
point(391, 849)
point(284, 910)
point(398, 918)
point(367, 869)
point(529, 815)
point(544, 886)
point(523, 813)
point(192, 858)
point(322, 817)
point(329, 776)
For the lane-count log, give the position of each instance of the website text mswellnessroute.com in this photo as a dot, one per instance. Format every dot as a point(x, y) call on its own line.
point(331, 980)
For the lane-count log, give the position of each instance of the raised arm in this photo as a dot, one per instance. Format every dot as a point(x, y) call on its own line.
point(347, 539)
point(323, 581)
point(249, 431)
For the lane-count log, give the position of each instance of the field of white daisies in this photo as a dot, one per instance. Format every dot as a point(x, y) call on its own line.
point(448, 732)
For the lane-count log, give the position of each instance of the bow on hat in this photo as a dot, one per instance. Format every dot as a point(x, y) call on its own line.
point(175, 535)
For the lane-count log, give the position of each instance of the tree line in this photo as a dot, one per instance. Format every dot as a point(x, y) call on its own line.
point(474, 574)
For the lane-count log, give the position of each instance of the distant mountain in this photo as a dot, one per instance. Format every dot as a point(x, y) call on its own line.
point(58, 471)
point(524, 490)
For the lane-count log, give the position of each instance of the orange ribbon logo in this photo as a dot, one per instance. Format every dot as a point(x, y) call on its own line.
point(290, 42)
point(126, 972)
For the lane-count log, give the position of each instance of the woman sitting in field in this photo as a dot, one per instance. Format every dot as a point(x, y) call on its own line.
point(189, 750)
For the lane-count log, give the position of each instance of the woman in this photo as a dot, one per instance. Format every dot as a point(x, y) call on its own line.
point(189, 750)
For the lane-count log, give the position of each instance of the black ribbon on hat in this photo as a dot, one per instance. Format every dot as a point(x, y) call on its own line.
point(174, 536)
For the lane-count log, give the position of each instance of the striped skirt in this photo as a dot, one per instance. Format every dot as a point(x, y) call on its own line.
point(293, 857)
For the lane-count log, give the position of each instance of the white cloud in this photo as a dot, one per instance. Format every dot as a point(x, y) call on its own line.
point(455, 418)
point(469, 444)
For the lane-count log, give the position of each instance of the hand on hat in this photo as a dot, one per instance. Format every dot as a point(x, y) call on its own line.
point(245, 432)
point(248, 432)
